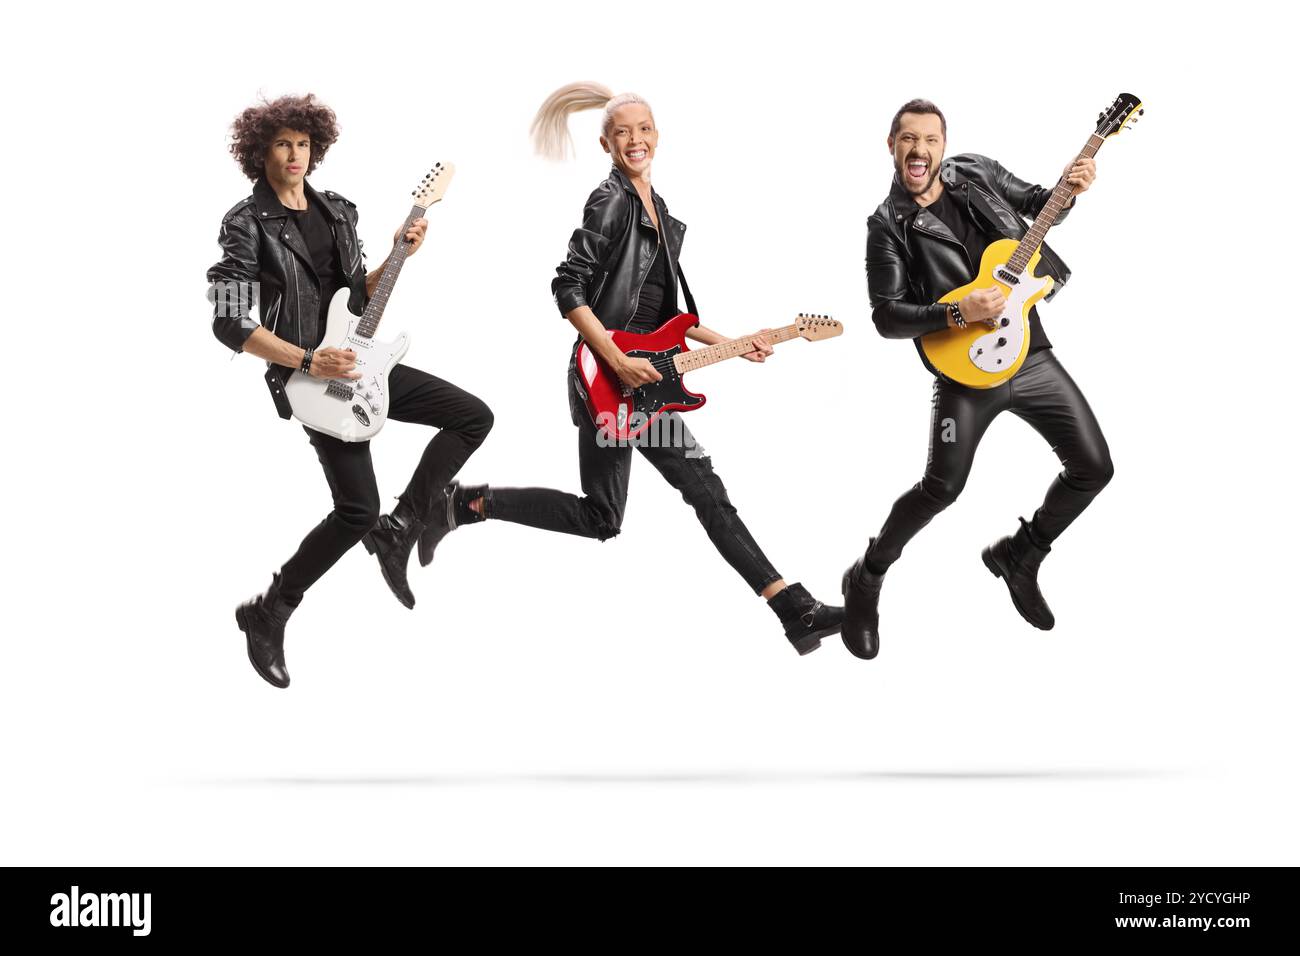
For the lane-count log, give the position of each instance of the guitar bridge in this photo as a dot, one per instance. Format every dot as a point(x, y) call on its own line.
point(340, 390)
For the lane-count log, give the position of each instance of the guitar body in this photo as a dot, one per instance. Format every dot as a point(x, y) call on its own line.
point(622, 413)
point(355, 409)
point(979, 357)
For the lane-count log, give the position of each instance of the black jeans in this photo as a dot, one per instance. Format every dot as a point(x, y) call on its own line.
point(605, 471)
point(415, 396)
point(1043, 394)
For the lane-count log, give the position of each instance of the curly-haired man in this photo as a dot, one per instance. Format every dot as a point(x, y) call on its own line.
point(296, 246)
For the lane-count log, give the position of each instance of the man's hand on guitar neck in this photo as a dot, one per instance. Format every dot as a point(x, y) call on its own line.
point(1080, 175)
point(325, 363)
point(414, 237)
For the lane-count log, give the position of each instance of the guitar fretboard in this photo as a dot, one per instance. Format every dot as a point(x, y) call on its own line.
point(369, 323)
point(698, 358)
point(1019, 260)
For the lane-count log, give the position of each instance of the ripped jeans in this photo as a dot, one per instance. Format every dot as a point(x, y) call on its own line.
point(599, 512)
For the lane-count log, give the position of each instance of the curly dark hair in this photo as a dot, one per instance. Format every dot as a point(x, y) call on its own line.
point(254, 130)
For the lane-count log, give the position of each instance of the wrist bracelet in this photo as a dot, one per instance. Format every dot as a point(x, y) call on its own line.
point(955, 311)
point(306, 360)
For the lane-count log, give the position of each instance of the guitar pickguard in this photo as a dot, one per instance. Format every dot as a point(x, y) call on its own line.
point(996, 350)
point(650, 398)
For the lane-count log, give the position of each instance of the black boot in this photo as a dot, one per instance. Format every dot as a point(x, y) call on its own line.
point(450, 510)
point(806, 620)
point(861, 590)
point(1015, 559)
point(391, 541)
point(262, 620)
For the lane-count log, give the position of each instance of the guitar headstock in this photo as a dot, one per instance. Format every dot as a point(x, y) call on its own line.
point(434, 185)
point(1123, 112)
point(814, 327)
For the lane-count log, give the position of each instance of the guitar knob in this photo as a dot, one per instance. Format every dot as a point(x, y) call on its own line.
point(1005, 321)
point(1001, 342)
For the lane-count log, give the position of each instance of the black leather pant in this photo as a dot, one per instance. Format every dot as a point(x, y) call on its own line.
point(415, 396)
point(605, 472)
point(1043, 394)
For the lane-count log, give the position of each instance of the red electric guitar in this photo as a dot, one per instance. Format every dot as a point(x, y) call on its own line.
point(623, 413)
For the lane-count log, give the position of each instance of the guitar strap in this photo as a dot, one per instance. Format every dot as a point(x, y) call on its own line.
point(686, 291)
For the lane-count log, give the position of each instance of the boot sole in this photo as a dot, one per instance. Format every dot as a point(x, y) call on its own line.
point(369, 543)
point(243, 626)
point(810, 642)
point(997, 571)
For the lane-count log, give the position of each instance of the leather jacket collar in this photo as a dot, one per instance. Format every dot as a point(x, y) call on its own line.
point(620, 177)
point(269, 206)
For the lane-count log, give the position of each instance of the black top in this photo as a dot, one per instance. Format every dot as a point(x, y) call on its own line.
point(654, 304)
point(952, 214)
point(316, 232)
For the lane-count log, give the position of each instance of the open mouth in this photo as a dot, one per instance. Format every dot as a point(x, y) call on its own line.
point(918, 169)
point(636, 155)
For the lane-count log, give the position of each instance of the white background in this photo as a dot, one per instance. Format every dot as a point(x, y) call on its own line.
point(555, 699)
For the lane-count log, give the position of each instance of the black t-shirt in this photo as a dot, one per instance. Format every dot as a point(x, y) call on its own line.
point(316, 232)
point(653, 306)
point(951, 214)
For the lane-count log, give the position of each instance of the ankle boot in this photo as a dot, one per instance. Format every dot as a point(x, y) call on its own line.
point(450, 510)
point(1015, 559)
point(391, 541)
point(861, 589)
point(262, 620)
point(806, 620)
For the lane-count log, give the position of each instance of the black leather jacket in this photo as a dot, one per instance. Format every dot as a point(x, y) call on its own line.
point(913, 259)
point(261, 244)
point(610, 254)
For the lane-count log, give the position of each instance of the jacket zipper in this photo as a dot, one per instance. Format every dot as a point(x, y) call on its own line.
point(297, 297)
point(942, 238)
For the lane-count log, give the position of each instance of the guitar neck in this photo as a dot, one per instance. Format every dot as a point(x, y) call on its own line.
point(1047, 217)
point(720, 351)
point(369, 323)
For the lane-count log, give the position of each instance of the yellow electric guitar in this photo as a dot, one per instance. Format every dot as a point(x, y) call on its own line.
point(980, 357)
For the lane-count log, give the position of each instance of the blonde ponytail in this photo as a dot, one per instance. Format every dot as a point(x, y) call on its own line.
point(550, 129)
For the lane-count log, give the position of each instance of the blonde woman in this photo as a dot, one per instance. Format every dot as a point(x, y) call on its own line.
point(622, 272)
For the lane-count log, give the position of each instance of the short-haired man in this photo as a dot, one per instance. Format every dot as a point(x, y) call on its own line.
point(926, 239)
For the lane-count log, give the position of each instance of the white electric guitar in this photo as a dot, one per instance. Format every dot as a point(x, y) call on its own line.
point(355, 409)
